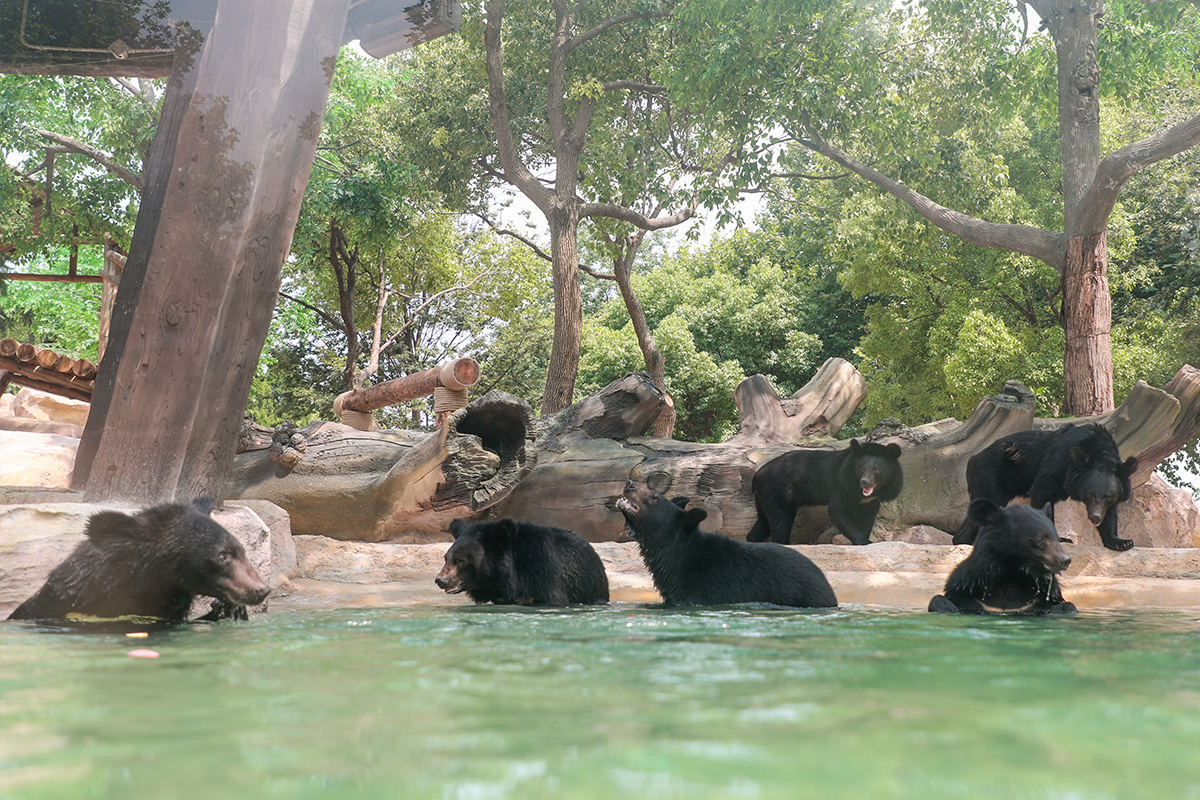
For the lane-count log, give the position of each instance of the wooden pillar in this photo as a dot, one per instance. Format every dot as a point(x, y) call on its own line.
point(114, 265)
point(224, 183)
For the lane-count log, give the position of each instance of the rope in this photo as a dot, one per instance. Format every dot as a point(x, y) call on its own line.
point(445, 399)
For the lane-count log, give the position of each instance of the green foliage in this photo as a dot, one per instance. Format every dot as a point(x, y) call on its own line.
point(94, 111)
point(716, 315)
point(64, 317)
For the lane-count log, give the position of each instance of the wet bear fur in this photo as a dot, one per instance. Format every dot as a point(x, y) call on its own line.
point(1013, 567)
point(149, 564)
point(852, 482)
point(1080, 462)
point(522, 563)
point(692, 567)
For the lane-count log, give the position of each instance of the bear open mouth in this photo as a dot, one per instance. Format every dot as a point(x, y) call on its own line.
point(453, 589)
point(626, 506)
point(868, 491)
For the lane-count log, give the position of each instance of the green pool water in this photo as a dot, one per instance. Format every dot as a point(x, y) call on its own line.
point(482, 703)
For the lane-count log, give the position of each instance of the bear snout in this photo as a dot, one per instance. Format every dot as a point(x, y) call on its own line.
point(244, 585)
point(447, 580)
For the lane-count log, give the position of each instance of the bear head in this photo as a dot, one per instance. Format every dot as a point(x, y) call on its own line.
point(1098, 478)
point(471, 561)
point(186, 547)
point(875, 468)
point(1020, 536)
point(651, 517)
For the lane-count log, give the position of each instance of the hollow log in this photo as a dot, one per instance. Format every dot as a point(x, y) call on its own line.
point(401, 485)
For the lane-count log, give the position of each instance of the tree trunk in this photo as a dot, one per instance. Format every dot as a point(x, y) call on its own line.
point(1087, 305)
point(225, 181)
point(568, 307)
point(664, 424)
point(222, 196)
point(1087, 320)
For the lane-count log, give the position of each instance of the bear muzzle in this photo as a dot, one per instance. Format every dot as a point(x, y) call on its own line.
point(448, 581)
point(244, 586)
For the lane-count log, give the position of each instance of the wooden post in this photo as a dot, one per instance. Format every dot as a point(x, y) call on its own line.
point(114, 264)
point(224, 183)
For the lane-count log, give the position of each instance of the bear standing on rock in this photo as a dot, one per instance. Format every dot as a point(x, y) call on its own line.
point(852, 482)
point(522, 563)
point(1013, 568)
point(1080, 462)
point(691, 567)
point(150, 564)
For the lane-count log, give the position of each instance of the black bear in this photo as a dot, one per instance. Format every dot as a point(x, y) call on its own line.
point(1076, 461)
point(522, 563)
point(1013, 568)
point(852, 482)
point(692, 567)
point(150, 564)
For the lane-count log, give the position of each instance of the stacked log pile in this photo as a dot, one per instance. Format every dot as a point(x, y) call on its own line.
point(27, 365)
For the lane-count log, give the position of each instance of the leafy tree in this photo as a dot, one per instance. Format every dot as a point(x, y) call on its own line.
point(573, 91)
point(64, 317)
point(73, 152)
point(719, 314)
point(898, 112)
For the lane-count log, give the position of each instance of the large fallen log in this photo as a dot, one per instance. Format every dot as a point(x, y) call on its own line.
point(494, 460)
point(574, 486)
point(338, 481)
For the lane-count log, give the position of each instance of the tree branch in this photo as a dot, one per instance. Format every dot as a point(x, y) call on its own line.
point(1035, 242)
point(539, 252)
point(517, 173)
point(130, 177)
point(330, 320)
point(604, 276)
point(612, 22)
point(1097, 203)
point(634, 86)
point(614, 211)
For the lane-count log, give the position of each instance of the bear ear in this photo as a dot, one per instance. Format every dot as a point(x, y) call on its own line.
point(1046, 511)
point(892, 450)
point(983, 511)
point(204, 505)
point(854, 446)
point(113, 525)
point(456, 527)
point(693, 517)
point(502, 531)
point(1078, 457)
point(681, 501)
point(1127, 469)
